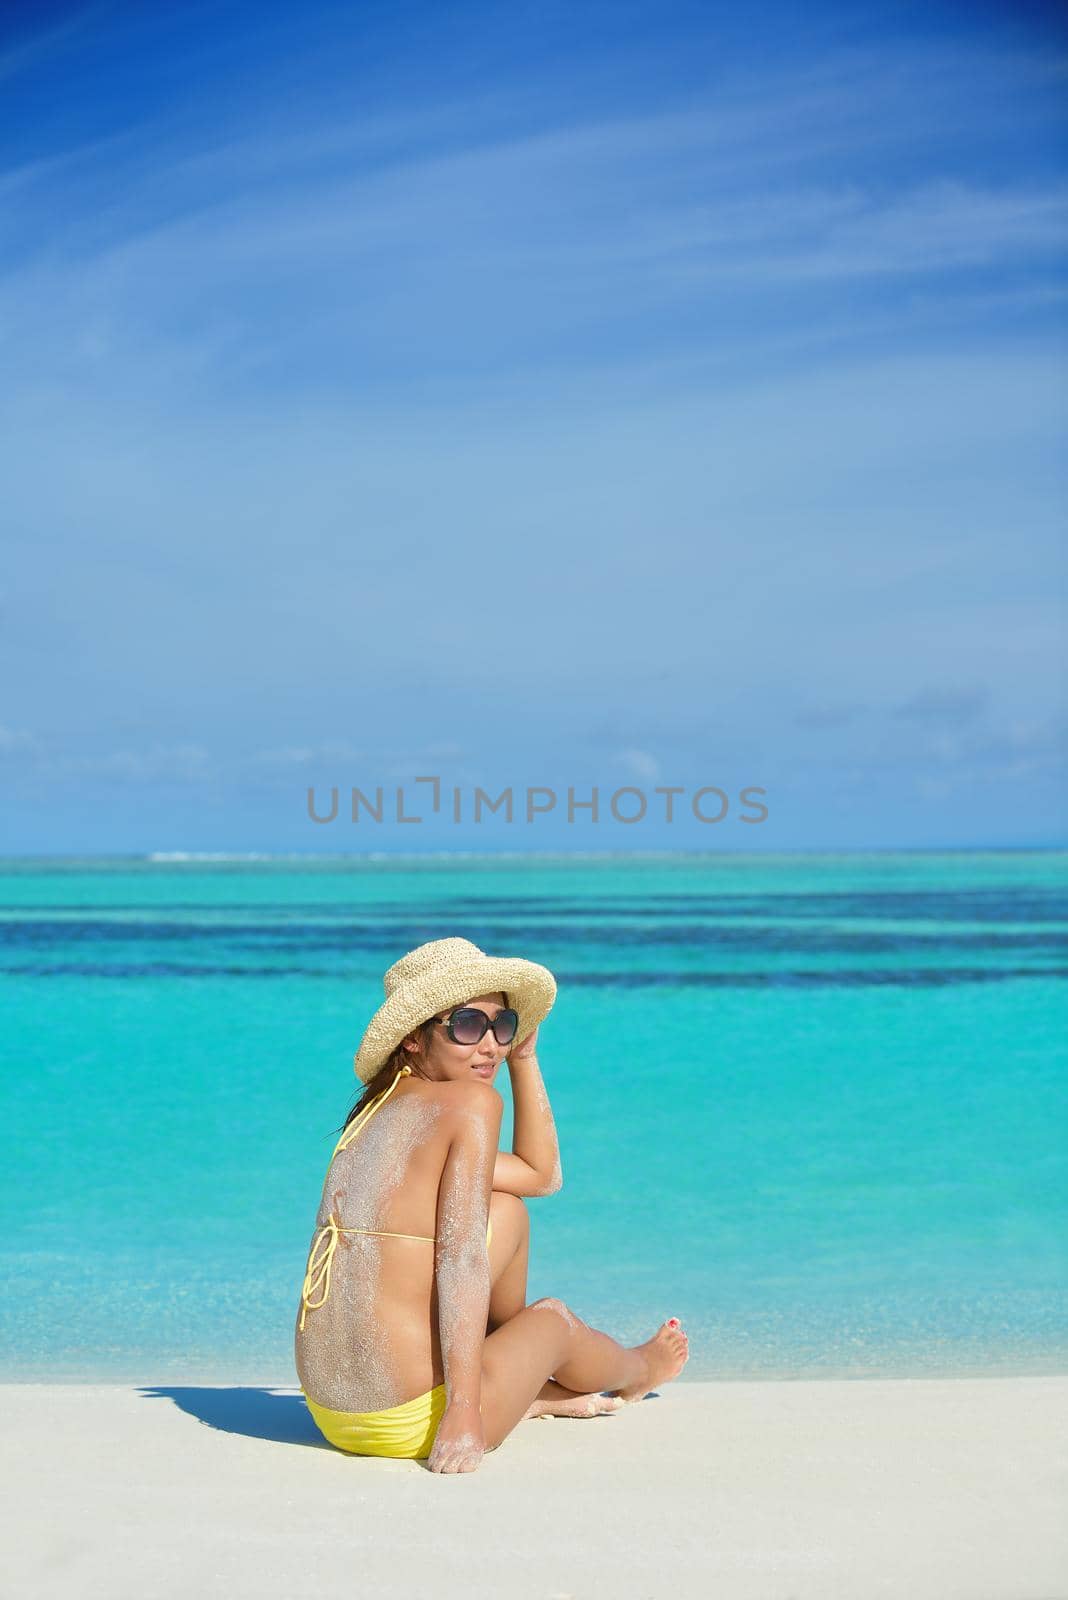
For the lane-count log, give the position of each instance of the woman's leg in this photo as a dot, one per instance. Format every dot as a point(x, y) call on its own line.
point(509, 1255)
point(546, 1338)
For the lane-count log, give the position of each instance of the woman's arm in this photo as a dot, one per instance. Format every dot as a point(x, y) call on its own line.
point(533, 1168)
point(461, 1264)
point(513, 1175)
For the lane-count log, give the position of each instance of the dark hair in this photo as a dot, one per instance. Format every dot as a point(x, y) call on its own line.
point(396, 1058)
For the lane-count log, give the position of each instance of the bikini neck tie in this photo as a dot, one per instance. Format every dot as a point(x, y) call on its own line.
point(325, 1242)
point(358, 1123)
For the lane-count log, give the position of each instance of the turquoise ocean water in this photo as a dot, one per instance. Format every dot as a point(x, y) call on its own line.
point(813, 1105)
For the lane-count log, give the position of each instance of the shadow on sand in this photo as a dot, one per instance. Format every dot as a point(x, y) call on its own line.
point(277, 1414)
point(258, 1413)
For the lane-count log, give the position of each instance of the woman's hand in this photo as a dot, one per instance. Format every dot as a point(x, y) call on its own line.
point(525, 1048)
point(459, 1443)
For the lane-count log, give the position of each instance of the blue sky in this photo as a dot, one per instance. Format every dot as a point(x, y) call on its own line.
point(619, 394)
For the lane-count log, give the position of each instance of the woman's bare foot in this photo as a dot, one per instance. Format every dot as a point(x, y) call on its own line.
point(566, 1403)
point(666, 1353)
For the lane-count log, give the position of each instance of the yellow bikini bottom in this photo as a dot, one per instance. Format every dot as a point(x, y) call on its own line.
point(406, 1430)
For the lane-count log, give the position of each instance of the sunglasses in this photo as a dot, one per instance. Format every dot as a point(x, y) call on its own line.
point(468, 1025)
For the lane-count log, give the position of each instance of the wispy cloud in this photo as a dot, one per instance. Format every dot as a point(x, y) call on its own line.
point(492, 248)
point(288, 757)
point(710, 422)
point(827, 716)
point(640, 763)
point(16, 742)
point(160, 763)
point(32, 51)
point(857, 233)
point(941, 704)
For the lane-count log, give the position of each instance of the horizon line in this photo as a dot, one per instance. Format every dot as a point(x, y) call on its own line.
point(178, 857)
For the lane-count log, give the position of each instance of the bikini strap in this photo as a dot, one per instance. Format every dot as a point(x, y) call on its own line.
point(318, 1273)
point(369, 1110)
point(324, 1244)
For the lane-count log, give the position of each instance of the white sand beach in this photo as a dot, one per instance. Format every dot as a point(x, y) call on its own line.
point(914, 1488)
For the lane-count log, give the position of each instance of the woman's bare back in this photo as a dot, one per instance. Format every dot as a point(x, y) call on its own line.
point(375, 1342)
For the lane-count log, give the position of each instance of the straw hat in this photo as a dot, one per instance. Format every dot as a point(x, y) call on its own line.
point(445, 973)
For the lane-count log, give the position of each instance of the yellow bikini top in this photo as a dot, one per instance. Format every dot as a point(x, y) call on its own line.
point(324, 1244)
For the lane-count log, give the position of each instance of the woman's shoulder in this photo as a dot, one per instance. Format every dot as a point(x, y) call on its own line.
point(472, 1099)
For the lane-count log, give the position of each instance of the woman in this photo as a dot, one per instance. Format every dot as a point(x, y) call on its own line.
point(405, 1351)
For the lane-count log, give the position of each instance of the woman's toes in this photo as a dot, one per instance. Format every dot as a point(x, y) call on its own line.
point(664, 1356)
point(578, 1405)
